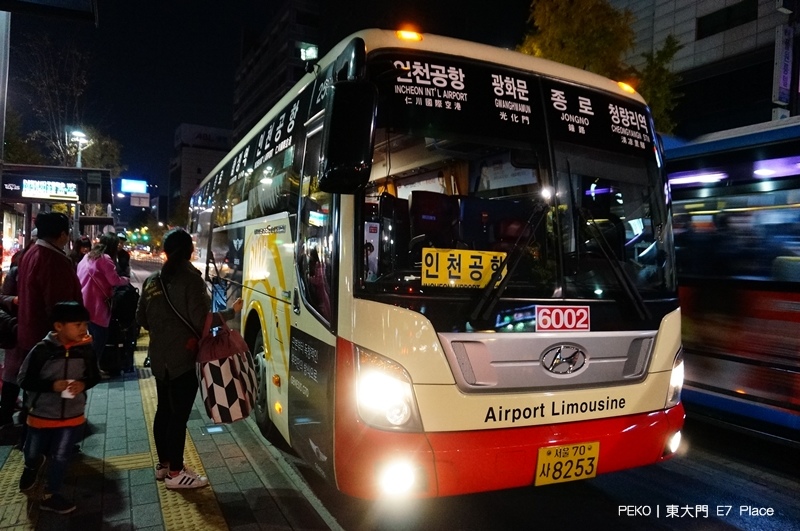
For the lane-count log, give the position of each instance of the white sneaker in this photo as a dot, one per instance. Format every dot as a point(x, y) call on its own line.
point(161, 472)
point(187, 479)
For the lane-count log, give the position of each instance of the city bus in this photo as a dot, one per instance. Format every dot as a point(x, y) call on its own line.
point(458, 270)
point(737, 234)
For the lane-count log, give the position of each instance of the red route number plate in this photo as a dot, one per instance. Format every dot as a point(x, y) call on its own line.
point(562, 318)
point(569, 462)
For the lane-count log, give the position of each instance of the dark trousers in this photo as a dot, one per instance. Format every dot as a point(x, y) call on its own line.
point(175, 401)
point(55, 443)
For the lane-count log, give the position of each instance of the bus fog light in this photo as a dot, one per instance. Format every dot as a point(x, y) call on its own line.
point(397, 479)
point(674, 443)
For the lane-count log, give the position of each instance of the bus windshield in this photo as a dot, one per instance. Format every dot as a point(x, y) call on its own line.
point(458, 216)
point(616, 234)
point(461, 198)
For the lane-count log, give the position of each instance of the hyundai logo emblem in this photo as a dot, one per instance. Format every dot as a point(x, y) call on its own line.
point(563, 359)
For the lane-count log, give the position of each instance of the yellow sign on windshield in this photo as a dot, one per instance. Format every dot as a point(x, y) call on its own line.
point(459, 268)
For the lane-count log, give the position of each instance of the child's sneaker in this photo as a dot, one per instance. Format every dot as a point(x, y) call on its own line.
point(55, 503)
point(186, 479)
point(29, 477)
point(161, 472)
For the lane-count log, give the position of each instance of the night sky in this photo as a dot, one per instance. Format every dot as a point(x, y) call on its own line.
point(157, 64)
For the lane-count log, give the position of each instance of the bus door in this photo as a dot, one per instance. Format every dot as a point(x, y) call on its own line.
point(313, 343)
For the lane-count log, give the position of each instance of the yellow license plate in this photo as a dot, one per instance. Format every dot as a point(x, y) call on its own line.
point(569, 462)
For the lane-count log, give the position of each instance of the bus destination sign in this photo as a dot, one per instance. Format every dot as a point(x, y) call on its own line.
point(436, 92)
point(459, 268)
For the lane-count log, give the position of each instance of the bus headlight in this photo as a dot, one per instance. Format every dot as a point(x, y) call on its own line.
point(675, 381)
point(384, 394)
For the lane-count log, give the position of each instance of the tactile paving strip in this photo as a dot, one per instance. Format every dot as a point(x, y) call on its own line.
point(15, 510)
point(190, 509)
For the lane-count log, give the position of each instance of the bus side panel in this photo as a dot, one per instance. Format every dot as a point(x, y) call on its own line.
point(310, 408)
point(268, 276)
point(741, 343)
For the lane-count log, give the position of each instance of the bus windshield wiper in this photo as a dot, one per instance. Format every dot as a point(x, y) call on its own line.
point(493, 290)
point(625, 281)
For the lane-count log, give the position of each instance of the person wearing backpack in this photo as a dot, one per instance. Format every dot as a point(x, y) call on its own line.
point(98, 276)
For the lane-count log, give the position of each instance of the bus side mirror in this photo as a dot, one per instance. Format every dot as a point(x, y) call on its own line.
point(348, 137)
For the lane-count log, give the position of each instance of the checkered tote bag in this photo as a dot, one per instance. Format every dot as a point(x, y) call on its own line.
point(226, 373)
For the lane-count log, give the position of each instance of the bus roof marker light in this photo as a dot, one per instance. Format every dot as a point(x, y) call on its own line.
point(409, 35)
point(625, 87)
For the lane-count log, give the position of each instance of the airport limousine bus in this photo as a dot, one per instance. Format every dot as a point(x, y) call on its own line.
point(458, 270)
point(737, 214)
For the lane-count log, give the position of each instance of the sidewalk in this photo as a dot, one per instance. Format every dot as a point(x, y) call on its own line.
point(112, 479)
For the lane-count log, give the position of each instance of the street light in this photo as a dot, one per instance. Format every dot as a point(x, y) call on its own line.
point(80, 138)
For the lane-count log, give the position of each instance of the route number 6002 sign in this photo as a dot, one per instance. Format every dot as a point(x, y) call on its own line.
point(562, 318)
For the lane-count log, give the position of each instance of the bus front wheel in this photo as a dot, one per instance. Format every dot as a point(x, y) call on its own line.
point(265, 424)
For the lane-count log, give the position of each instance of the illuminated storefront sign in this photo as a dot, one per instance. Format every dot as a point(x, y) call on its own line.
point(41, 189)
point(23, 183)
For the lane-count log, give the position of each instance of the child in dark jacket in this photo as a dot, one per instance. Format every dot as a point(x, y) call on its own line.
point(56, 373)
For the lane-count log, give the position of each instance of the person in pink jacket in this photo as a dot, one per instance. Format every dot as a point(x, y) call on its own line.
point(97, 272)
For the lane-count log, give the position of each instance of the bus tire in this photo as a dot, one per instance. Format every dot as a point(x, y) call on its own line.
point(265, 424)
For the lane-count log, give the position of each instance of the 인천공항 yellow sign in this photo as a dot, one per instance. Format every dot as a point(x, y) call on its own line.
point(459, 268)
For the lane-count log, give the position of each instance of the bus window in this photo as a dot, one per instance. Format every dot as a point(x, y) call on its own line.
point(272, 187)
point(315, 235)
point(753, 236)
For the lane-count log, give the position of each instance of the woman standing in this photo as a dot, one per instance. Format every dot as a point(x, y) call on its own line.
point(80, 247)
point(173, 307)
point(97, 272)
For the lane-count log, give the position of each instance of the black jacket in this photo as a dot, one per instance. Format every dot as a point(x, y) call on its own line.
point(49, 361)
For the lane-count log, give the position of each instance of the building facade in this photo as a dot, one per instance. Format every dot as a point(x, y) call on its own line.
point(197, 150)
point(737, 65)
point(275, 61)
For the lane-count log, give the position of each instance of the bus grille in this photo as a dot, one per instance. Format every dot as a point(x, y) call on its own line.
point(483, 363)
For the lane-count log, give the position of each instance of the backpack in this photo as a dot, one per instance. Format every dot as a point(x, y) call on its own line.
point(123, 304)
